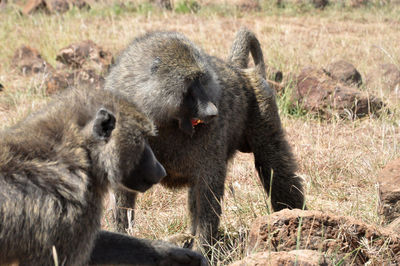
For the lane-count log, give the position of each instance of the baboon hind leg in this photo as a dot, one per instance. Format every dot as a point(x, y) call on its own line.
point(274, 160)
point(124, 210)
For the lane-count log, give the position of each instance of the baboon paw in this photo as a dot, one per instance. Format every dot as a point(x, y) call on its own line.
point(182, 240)
point(181, 256)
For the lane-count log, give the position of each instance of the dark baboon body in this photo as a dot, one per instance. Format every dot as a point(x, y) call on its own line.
point(55, 168)
point(177, 85)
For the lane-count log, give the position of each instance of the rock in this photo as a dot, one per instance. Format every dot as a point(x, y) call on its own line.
point(318, 93)
point(53, 6)
point(29, 61)
point(57, 6)
point(1, 87)
point(294, 257)
point(163, 4)
point(57, 82)
point(320, 4)
point(83, 77)
point(358, 3)
point(389, 191)
point(33, 5)
point(246, 5)
point(81, 4)
point(394, 225)
point(87, 55)
point(345, 238)
point(3, 4)
point(344, 71)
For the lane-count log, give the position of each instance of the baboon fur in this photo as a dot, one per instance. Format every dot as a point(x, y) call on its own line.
point(56, 167)
point(160, 71)
point(244, 44)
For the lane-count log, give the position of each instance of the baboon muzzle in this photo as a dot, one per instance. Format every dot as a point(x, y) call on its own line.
point(148, 172)
point(207, 112)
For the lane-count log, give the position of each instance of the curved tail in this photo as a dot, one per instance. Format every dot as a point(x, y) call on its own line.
point(246, 42)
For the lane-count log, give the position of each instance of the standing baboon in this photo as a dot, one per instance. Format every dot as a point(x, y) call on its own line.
point(56, 167)
point(205, 109)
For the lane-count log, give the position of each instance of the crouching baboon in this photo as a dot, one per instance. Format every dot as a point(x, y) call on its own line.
point(56, 167)
point(205, 109)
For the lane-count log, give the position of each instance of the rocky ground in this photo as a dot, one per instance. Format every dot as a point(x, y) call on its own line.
point(336, 71)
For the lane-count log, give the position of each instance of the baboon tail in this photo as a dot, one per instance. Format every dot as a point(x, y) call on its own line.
point(246, 42)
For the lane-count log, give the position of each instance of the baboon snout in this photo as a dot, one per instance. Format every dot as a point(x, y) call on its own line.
point(148, 172)
point(159, 172)
point(208, 111)
point(154, 170)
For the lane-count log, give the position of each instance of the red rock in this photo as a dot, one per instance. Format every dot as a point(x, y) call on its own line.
point(318, 93)
point(33, 5)
point(329, 234)
point(29, 61)
point(389, 191)
point(53, 6)
point(83, 77)
point(345, 72)
point(85, 54)
point(294, 257)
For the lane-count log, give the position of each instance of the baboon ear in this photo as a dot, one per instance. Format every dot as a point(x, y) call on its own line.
point(155, 65)
point(104, 124)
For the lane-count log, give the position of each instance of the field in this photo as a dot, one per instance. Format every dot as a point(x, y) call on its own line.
point(338, 159)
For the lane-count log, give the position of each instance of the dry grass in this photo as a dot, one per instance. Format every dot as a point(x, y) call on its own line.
point(339, 160)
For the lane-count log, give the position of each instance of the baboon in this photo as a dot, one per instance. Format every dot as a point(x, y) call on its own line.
point(205, 110)
point(57, 165)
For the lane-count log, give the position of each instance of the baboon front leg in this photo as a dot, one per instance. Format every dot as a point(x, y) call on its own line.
point(192, 202)
point(125, 203)
point(114, 248)
point(205, 207)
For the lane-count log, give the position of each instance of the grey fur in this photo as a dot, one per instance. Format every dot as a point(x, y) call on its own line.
point(57, 165)
point(153, 71)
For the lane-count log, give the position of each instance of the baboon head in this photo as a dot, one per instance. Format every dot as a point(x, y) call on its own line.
point(196, 106)
point(169, 78)
point(119, 149)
